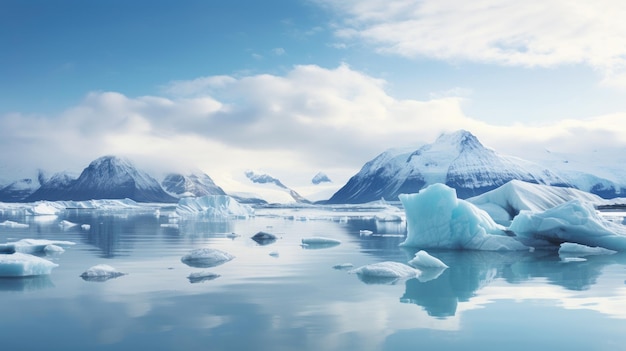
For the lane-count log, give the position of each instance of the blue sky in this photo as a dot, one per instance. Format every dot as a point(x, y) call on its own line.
point(301, 86)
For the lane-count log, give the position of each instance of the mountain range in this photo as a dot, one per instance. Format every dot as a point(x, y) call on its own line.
point(457, 159)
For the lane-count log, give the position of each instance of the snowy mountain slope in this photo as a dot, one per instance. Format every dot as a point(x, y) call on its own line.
point(20, 189)
point(457, 159)
point(194, 183)
point(107, 177)
point(57, 184)
point(267, 181)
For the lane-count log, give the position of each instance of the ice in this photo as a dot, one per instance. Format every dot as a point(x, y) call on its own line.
point(264, 238)
point(24, 265)
point(206, 257)
point(318, 242)
point(12, 224)
point(574, 222)
point(65, 224)
point(387, 272)
point(53, 249)
point(85, 227)
point(437, 219)
point(199, 277)
point(423, 259)
point(343, 266)
point(100, 273)
point(365, 232)
point(274, 254)
point(220, 206)
point(45, 208)
point(583, 250)
point(31, 246)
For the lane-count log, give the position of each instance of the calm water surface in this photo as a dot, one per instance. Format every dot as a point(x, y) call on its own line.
point(296, 300)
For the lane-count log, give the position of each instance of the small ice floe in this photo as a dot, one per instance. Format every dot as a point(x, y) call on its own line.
point(206, 257)
point(387, 272)
point(232, 235)
point(169, 225)
point(199, 277)
point(53, 249)
point(100, 273)
point(31, 246)
point(573, 249)
point(24, 265)
point(85, 227)
point(365, 232)
point(274, 254)
point(423, 259)
point(65, 224)
point(572, 259)
point(319, 242)
point(264, 238)
point(12, 224)
point(343, 266)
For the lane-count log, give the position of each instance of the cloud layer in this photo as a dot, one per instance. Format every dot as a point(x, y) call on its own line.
point(507, 32)
point(311, 119)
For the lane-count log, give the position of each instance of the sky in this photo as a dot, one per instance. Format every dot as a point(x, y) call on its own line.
point(295, 87)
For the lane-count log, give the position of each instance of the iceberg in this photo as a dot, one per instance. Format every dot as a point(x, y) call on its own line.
point(436, 218)
point(574, 221)
point(199, 277)
point(264, 238)
point(215, 206)
point(31, 246)
point(45, 208)
point(387, 272)
point(206, 257)
point(318, 242)
point(24, 265)
point(12, 224)
point(65, 224)
point(100, 273)
point(423, 259)
point(583, 250)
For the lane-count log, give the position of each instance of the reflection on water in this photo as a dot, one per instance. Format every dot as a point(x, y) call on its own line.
point(293, 299)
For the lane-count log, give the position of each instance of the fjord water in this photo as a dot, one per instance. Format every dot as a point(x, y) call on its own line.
point(283, 296)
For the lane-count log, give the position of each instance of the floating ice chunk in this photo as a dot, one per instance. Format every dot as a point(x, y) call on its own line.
point(169, 225)
point(206, 257)
point(30, 246)
point(583, 250)
point(101, 273)
point(572, 259)
point(65, 224)
point(232, 235)
point(388, 217)
point(387, 272)
point(85, 227)
point(318, 242)
point(575, 222)
point(215, 206)
point(199, 277)
point(274, 254)
point(264, 238)
point(11, 224)
point(24, 265)
point(423, 259)
point(365, 232)
point(437, 219)
point(53, 249)
point(45, 209)
point(343, 266)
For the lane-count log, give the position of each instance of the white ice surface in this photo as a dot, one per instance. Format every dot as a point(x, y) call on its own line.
point(206, 257)
point(12, 224)
point(30, 246)
point(423, 259)
point(24, 265)
point(387, 269)
point(218, 206)
point(583, 250)
point(65, 224)
point(437, 219)
point(101, 272)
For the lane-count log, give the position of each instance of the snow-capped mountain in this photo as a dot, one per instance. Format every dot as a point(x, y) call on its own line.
point(195, 183)
point(457, 159)
point(266, 179)
point(20, 189)
point(52, 187)
point(107, 177)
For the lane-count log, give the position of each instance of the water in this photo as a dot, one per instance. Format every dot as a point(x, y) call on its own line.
point(296, 300)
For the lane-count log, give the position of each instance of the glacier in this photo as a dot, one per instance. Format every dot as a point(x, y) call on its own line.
point(24, 265)
point(547, 217)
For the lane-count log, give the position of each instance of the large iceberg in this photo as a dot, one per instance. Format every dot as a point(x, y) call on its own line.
point(436, 218)
point(24, 265)
point(217, 206)
point(574, 221)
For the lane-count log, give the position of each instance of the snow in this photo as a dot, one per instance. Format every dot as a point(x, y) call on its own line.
point(206, 257)
point(30, 246)
point(387, 272)
point(100, 273)
point(24, 265)
point(215, 206)
point(199, 277)
point(12, 224)
point(574, 221)
point(423, 259)
point(437, 219)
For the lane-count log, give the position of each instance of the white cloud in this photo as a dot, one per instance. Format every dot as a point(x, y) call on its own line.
point(279, 51)
point(507, 32)
point(311, 119)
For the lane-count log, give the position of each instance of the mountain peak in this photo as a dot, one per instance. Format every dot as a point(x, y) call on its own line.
point(462, 139)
